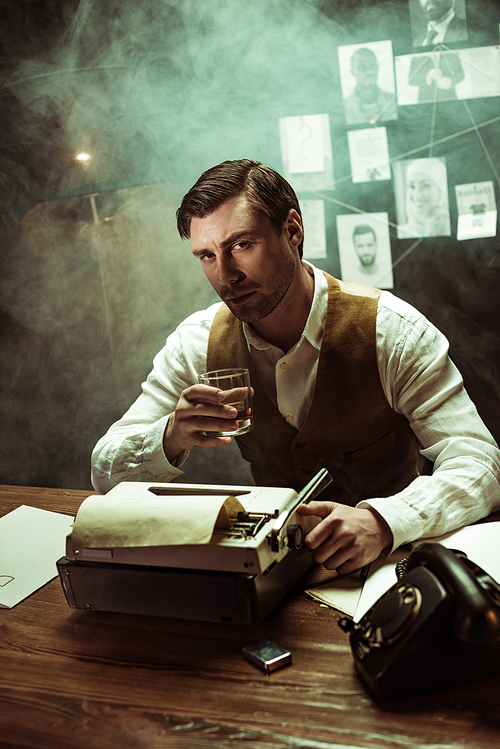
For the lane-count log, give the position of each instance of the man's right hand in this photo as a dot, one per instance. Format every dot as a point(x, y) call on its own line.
point(201, 408)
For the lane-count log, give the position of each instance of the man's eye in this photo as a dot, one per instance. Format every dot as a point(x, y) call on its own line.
point(239, 246)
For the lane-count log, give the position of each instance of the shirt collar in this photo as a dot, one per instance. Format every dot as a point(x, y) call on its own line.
point(313, 330)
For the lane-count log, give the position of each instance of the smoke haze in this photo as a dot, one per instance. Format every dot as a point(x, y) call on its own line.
point(93, 274)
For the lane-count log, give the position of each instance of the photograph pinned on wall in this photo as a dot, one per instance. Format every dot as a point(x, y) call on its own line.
point(313, 219)
point(367, 82)
point(477, 210)
point(438, 22)
point(365, 249)
point(446, 76)
point(306, 152)
point(421, 194)
point(369, 154)
point(428, 77)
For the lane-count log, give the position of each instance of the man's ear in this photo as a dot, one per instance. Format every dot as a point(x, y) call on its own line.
point(293, 228)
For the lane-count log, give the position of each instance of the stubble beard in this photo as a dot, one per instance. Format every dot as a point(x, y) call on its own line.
point(367, 260)
point(269, 302)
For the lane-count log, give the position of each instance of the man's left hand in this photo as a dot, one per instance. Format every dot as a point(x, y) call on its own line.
point(347, 538)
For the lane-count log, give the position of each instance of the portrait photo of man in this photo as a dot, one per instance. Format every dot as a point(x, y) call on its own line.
point(364, 241)
point(438, 21)
point(365, 249)
point(436, 74)
point(367, 81)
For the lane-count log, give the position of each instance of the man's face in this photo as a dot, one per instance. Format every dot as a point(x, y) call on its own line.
point(435, 9)
point(364, 68)
point(247, 263)
point(366, 248)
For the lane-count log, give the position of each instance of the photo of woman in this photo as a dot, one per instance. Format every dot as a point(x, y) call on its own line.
point(421, 187)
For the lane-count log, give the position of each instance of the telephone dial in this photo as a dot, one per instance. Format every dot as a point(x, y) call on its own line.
point(438, 625)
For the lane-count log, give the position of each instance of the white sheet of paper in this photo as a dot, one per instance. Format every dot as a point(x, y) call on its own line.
point(313, 216)
point(31, 542)
point(474, 227)
point(477, 210)
point(369, 154)
point(109, 522)
point(305, 143)
point(479, 542)
point(341, 593)
point(308, 180)
point(381, 577)
point(481, 65)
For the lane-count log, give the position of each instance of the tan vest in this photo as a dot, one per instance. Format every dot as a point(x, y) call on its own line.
point(369, 449)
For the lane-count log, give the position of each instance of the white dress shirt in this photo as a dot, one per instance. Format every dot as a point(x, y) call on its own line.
point(436, 32)
point(418, 378)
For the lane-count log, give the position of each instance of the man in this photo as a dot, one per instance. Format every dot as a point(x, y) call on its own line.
point(443, 24)
point(436, 74)
point(368, 103)
point(365, 245)
point(345, 377)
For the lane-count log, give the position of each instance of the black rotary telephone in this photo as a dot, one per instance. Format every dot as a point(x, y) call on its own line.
point(438, 625)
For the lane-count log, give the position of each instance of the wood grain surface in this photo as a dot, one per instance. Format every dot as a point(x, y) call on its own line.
point(76, 679)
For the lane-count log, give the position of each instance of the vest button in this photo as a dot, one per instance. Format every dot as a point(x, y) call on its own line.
point(289, 419)
point(300, 445)
point(283, 365)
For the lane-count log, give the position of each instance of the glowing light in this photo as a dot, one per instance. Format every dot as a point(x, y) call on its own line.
point(83, 157)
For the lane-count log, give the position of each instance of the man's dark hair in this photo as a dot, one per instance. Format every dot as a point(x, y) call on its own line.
point(365, 52)
point(265, 190)
point(363, 229)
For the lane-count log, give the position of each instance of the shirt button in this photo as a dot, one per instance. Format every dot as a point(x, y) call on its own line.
point(283, 365)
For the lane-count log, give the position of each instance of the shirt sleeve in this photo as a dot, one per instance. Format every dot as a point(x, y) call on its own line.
point(421, 382)
point(132, 448)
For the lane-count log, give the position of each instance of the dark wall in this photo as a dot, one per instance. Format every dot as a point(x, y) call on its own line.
point(156, 92)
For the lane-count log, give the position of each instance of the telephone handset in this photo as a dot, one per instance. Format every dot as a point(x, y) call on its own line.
point(439, 624)
point(477, 619)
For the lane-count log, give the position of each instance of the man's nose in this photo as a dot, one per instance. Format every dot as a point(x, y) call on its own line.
point(228, 272)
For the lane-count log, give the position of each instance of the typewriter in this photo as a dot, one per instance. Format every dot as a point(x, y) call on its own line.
point(239, 574)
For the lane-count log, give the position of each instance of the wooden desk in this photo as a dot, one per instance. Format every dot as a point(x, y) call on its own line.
point(71, 679)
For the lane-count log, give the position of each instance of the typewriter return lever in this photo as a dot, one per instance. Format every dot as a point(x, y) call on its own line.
point(295, 534)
